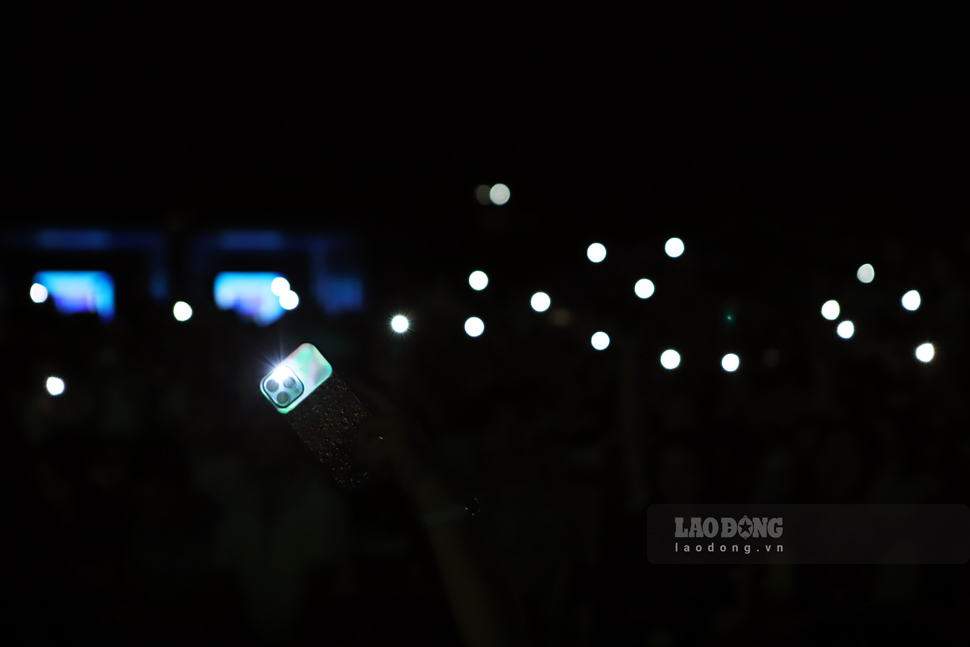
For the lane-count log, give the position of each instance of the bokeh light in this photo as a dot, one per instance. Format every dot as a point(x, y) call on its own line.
point(866, 273)
point(182, 311)
point(474, 326)
point(600, 340)
point(730, 362)
point(596, 252)
point(911, 300)
point(499, 194)
point(478, 280)
point(289, 300)
point(845, 329)
point(55, 385)
point(481, 194)
point(38, 293)
point(279, 286)
point(925, 352)
point(644, 288)
point(830, 310)
point(399, 323)
point(541, 301)
point(674, 247)
point(670, 359)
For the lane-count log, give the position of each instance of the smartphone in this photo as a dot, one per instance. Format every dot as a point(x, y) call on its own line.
point(322, 410)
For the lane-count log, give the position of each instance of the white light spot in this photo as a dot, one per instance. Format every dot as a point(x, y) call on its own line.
point(845, 329)
point(279, 286)
point(674, 247)
point(289, 300)
point(644, 288)
point(474, 326)
point(182, 311)
point(499, 194)
point(478, 280)
point(38, 293)
point(541, 301)
point(670, 359)
point(730, 362)
point(911, 300)
point(866, 273)
point(399, 323)
point(830, 310)
point(55, 385)
point(600, 340)
point(596, 252)
point(925, 352)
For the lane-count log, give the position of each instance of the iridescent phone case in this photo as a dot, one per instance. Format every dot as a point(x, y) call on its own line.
point(321, 408)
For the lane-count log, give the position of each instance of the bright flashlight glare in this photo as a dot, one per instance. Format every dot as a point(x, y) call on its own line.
point(399, 323)
point(600, 340)
point(55, 385)
point(541, 301)
point(866, 273)
point(911, 300)
point(925, 352)
point(730, 362)
point(596, 252)
point(644, 288)
point(289, 300)
point(474, 326)
point(830, 310)
point(499, 194)
point(279, 286)
point(670, 359)
point(38, 293)
point(478, 280)
point(182, 311)
point(674, 247)
point(845, 329)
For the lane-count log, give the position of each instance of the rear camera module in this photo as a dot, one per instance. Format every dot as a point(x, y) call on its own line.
point(272, 385)
point(289, 382)
point(283, 397)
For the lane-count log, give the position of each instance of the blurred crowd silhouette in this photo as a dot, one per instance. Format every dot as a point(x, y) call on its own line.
point(160, 498)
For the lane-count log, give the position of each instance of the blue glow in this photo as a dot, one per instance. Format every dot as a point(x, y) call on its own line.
point(90, 239)
point(340, 294)
point(252, 240)
point(250, 294)
point(81, 292)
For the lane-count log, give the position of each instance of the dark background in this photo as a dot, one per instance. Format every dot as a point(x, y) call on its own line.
point(159, 498)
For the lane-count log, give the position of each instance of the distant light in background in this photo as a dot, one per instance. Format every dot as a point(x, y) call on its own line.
point(670, 359)
point(925, 352)
point(182, 311)
point(75, 292)
point(399, 323)
point(845, 329)
point(866, 273)
point(478, 280)
point(911, 300)
point(55, 385)
point(249, 294)
point(596, 252)
point(541, 301)
point(644, 288)
point(481, 194)
point(600, 340)
point(771, 358)
point(499, 194)
point(674, 247)
point(474, 326)
point(730, 362)
point(279, 286)
point(561, 317)
point(830, 310)
point(289, 300)
point(38, 293)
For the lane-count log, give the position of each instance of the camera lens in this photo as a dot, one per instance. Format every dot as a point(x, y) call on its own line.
point(283, 397)
point(289, 382)
point(272, 385)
